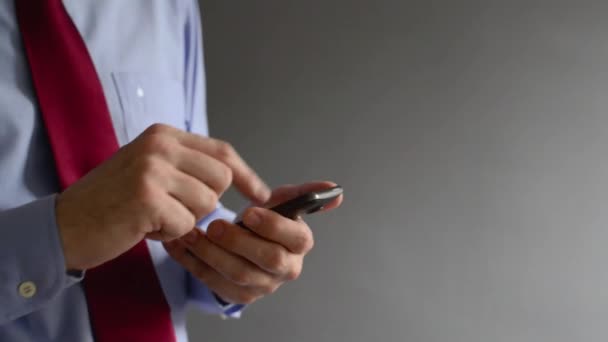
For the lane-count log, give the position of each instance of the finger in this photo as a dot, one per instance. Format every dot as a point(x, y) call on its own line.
point(295, 235)
point(173, 220)
point(230, 266)
point(206, 169)
point(270, 256)
point(194, 195)
point(224, 288)
point(243, 177)
point(288, 192)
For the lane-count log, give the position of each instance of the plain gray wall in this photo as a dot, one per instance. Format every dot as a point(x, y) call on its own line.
point(472, 140)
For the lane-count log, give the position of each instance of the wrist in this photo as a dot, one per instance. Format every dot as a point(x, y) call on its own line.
point(72, 266)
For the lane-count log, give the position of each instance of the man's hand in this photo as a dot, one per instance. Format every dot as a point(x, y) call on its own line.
point(157, 187)
point(241, 266)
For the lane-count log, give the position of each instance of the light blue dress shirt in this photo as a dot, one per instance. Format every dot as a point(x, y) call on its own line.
point(148, 54)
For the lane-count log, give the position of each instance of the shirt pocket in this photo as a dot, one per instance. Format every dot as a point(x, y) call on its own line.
point(146, 99)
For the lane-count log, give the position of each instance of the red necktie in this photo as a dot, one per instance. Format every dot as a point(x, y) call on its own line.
point(124, 296)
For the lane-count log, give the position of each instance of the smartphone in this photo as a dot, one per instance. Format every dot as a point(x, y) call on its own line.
point(305, 204)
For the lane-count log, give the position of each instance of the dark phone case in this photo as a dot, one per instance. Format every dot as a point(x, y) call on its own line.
point(305, 204)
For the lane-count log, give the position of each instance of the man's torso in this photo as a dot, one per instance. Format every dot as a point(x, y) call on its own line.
point(142, 50)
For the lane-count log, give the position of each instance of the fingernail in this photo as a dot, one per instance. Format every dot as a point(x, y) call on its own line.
point(216, 231)
point(191, 237)
point(263, 194)
point(252, 219)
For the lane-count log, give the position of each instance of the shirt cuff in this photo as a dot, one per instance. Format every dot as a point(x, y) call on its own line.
point(220, 213)
point(200, 295)
point(229, 308)
point(32, 264)
point(207, 301)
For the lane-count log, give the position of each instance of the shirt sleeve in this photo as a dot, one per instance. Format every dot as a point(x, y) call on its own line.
point(195, 86)
point(32, 264)
point(194, 77)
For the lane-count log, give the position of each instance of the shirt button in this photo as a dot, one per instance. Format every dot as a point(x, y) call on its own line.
point(27, 289)
point(140, 92)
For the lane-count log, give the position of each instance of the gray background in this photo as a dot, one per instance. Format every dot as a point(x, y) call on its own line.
point(471, 139)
